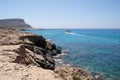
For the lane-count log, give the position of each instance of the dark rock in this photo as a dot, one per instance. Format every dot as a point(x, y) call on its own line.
point(54, 52)
point(39, 49)
point(36, 50)
point(30, 47)
point(50, 66)
point(53, 46)
point(34, 55)
point(37, 40)
point(40, 60)
point(27, 57)
point(59, 49)
point(50, 59)
point(50, 52)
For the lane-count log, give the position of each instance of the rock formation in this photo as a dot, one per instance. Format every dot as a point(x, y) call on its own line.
point(33, 49)
point(27, 56)
point(14, 24)
point(71, 73)
point(14, 71)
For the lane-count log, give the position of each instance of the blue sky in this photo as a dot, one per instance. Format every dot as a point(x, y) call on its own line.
point(64, 13)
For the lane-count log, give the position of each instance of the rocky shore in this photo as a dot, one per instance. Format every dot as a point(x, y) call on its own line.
point(27, 56)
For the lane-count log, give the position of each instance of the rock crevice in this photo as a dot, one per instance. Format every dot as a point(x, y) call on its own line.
point(27, 56)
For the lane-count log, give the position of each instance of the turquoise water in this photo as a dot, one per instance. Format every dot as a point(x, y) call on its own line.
point(91, 49)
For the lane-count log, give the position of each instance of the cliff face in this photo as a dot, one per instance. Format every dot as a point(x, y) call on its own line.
point(31, 48)
point(27, 56)
point(14, 24)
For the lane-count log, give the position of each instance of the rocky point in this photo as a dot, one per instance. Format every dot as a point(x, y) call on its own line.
point(27, 56)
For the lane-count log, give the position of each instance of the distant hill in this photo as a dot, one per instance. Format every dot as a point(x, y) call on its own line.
point(14, 24)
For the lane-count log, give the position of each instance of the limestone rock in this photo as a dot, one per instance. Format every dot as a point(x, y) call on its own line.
point(23, 56)
point(71, 73)
point(33, 49)
point(14, 71)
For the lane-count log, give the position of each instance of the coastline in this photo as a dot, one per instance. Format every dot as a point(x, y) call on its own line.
point(61, 62)
point(28, 49)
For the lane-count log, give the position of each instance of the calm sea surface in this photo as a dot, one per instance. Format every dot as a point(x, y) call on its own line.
point(96, 50)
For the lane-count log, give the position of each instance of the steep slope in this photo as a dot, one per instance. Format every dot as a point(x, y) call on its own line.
point(14, 24)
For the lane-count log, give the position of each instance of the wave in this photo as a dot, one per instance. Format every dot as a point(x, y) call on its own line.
point(49, 40)
point(71, 33)
point(60, 61)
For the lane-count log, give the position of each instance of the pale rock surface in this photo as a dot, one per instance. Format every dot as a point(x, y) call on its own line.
point(24, 55)
point(14, 71)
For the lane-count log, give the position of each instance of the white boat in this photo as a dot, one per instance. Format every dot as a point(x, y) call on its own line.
point(68, 30)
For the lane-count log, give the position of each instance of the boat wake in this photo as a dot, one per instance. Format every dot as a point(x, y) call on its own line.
point(71, 33)
point(93, 37)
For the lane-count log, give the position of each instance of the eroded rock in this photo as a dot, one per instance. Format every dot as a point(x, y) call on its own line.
point(33, 49)
point(23, 54)
point(71, 73)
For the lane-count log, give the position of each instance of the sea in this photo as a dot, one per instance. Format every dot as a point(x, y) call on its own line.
point(95, 50)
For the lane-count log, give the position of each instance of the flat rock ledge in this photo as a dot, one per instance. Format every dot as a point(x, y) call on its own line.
point(27, 56)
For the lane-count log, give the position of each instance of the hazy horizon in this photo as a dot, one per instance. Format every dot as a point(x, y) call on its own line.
point(64, 13)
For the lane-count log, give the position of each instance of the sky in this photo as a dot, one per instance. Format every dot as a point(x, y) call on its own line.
point(63, 13)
